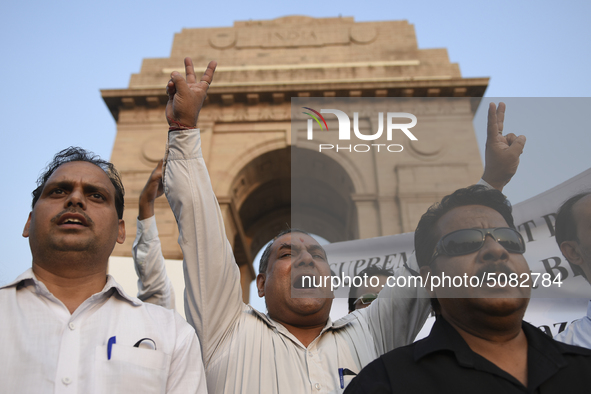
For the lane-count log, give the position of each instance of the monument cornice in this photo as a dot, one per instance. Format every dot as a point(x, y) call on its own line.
point(278, 92)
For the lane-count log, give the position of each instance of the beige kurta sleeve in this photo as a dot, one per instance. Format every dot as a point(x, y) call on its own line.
point(213, 296)
point(398, 314)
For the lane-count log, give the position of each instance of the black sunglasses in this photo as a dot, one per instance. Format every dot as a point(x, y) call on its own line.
point(470, 240)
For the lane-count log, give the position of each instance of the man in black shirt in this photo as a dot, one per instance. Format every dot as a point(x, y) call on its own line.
point(479, 342)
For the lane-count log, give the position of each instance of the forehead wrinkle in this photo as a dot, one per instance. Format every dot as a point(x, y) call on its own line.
point(67, 172)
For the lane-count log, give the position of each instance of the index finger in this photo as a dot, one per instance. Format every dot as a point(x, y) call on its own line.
point(190, 70)
point(501, 116)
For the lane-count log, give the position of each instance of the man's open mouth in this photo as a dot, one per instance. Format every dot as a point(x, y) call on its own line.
point(73, 219)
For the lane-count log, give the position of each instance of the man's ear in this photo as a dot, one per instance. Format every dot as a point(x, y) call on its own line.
point(427, 274)
point(570, 250)
point(121, 232)
point(27, 226)
point(261, 284)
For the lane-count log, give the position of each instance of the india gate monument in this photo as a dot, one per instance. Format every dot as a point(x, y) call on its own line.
point(246, 129)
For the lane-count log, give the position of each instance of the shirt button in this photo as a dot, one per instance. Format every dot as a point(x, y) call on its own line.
point(310, 355)
point(317, 385)
point(72, 326)
point(66, 380)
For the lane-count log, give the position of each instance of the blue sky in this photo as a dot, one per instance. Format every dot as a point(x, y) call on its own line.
point(58, 55)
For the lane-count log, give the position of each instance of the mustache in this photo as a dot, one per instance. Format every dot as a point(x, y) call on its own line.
point(494, 268)
point(89, 221)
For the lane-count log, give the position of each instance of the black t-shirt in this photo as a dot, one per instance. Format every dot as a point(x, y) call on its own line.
point(444, 363)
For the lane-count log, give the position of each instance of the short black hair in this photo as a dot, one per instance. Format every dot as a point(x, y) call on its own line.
point(72, 154)
point(372, 270)
point(267, 253)
point(565, 227)
point(426, 236)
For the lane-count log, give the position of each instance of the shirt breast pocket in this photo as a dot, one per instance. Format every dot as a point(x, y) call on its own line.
point(131, 369)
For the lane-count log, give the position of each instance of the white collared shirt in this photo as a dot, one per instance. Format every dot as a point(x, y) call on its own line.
point(579, 331)
point(45, 349)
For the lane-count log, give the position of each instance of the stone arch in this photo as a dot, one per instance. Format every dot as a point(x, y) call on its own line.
point(227, 182)
point(349, 165)
point(265, 201)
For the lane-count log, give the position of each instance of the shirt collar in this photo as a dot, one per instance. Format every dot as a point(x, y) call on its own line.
point(28, 274)
point(329, 323)
point(112, 283)
point(264, 316)
point(28, 277)
point(280, 328)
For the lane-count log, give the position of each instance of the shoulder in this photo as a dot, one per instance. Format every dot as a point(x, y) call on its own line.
point(575, 366)
point(572, 349)
point(540, 340)
point(577, 359)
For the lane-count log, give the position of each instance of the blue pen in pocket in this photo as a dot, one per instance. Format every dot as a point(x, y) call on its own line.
point(110, 344)
point(342, 373)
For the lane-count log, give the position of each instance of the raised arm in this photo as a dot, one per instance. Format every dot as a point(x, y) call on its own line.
point(153, 284)
point(501, 157)
point(213, 296)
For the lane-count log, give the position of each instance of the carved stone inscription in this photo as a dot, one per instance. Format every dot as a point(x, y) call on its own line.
point(290, 37)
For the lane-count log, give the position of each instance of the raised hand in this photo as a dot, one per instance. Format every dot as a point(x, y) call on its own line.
point(151, 192)
point(186, 97)
point(501, 157)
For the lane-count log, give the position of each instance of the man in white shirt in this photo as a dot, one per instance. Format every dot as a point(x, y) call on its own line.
point(573, 235)
point(295, 347)
point(67, 326)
